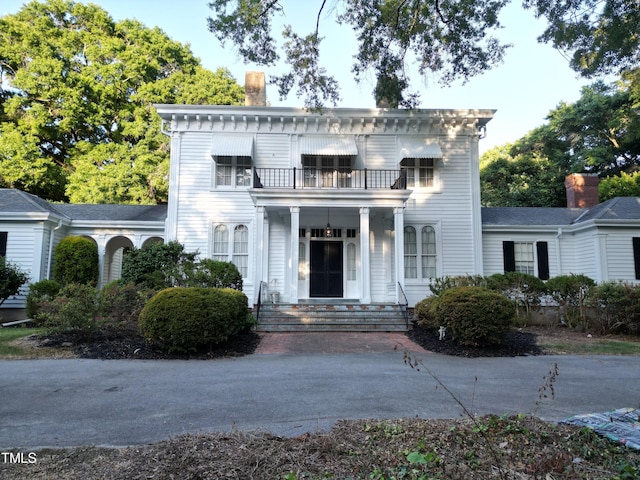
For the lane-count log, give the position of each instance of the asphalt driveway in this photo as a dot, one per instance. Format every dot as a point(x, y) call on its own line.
point(120, 402)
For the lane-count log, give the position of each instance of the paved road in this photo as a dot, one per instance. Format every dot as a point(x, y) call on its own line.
point(94, 402)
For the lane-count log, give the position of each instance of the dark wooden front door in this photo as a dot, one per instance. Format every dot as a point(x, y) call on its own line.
point(326, 269)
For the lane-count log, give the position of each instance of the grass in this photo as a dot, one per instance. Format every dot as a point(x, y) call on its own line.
point(7, 335)
point(594, 347)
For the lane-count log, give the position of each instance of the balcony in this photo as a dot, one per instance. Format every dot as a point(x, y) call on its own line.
point(329, 178)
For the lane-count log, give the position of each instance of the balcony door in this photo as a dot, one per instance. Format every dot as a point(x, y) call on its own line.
point(326, 275)
point(327, 171)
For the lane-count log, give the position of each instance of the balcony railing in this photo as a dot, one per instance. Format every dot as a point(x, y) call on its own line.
point(329, 178)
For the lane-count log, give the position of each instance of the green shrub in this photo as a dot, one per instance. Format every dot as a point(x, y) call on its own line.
point(475, 316)
point(156, 265)
point(572, 294)
point(441, 284)
point(11, 279)
point(617, 306)
point(213, 274)
point(121, 304)
point(426, 313)
point(187, 319)
point(39, 292)
point(76, 261)
point(524, 289)
point(74, 310)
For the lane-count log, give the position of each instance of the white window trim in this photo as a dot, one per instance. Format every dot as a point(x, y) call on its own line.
point(437, 167)
point(230, 253)
point(234, 174)
point(418, 227)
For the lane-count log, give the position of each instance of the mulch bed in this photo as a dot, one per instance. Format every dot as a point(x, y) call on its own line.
point(130, 345)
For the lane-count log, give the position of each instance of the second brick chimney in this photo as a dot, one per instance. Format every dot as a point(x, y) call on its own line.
point(582, 190)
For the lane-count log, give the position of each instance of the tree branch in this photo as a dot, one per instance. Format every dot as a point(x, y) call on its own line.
point(318, 19)
point(440, 13)
point(268, 7)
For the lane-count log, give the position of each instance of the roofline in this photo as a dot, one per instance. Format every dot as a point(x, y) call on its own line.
point(166, 111)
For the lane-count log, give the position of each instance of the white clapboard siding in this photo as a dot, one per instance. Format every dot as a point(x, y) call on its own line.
point(272, 151)
point(380, 152)
point(585, 245)
point(278, 239)
point(619, 255)
point(377, 241)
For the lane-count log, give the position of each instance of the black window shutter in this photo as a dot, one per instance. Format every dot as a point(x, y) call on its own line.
point(3, 244)
point(543, 260)
point(509, 256)
point(636, 256)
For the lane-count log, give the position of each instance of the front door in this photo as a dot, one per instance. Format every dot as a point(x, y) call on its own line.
point(326, 269)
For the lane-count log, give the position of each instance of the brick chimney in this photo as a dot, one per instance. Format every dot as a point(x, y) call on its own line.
point(582, 190)
point(255, 90)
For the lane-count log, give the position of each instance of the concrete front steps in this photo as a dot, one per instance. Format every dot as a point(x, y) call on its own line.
point(331, 317)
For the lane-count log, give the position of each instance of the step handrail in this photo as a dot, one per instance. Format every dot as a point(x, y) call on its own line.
point(404, 305)
point(262, 283)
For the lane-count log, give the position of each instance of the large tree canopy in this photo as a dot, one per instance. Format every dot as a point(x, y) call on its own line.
point(452, 39)
point(77, 88)
point(599, 133)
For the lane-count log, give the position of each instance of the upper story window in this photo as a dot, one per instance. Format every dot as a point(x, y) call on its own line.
point(233, 172)
point(3, 244)
point(327, 171)
point(420, 172)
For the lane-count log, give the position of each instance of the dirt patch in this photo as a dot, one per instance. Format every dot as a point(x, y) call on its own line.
point(485, 448)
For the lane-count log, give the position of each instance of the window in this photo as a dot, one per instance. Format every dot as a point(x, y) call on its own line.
point(241, 249)
point(410, 253)
point(233, 171)
point(420, 172)
point(3, 244)
point(221, 243)
point(520, 257)
point(420, 258)
point(236, 250)
point(428, 252)
point(327, 171)
point(351, 261)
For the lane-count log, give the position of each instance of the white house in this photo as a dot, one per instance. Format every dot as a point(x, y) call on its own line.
point(361, 207)
point(356, 204)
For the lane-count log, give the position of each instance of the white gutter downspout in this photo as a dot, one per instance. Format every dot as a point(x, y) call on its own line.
point(51, 238)
point(558, 259)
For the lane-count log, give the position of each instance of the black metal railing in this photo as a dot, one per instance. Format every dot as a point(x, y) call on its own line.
point(259, 303)
point(403, 305)
point(336, 178)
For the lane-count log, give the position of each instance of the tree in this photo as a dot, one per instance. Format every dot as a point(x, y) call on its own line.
point(447, 38)
point(601, 36)
point(599, 133)
point(77, 91)
point(11, 279)
point(623, 185)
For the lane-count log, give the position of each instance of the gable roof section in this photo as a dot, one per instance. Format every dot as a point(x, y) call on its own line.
point(503, 216)
point(115, 213)
point(619, 208)
point(14, 201)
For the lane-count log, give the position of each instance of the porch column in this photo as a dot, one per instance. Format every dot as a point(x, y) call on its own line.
point(398, 226)
point(294, 257)
point(260, 253)
point(365, 283)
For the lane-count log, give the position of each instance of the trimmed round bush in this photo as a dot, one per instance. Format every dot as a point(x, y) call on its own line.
point(475, 316)
point(76, 261)
point(426, 313)
point(187, 319)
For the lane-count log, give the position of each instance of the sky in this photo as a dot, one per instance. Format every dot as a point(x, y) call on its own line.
point(533, 79)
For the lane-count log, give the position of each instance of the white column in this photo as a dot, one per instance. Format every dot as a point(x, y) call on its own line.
point(365, 272)
point(38, 255)
point(398, 226)
point(260, 253)
point(293, 267)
